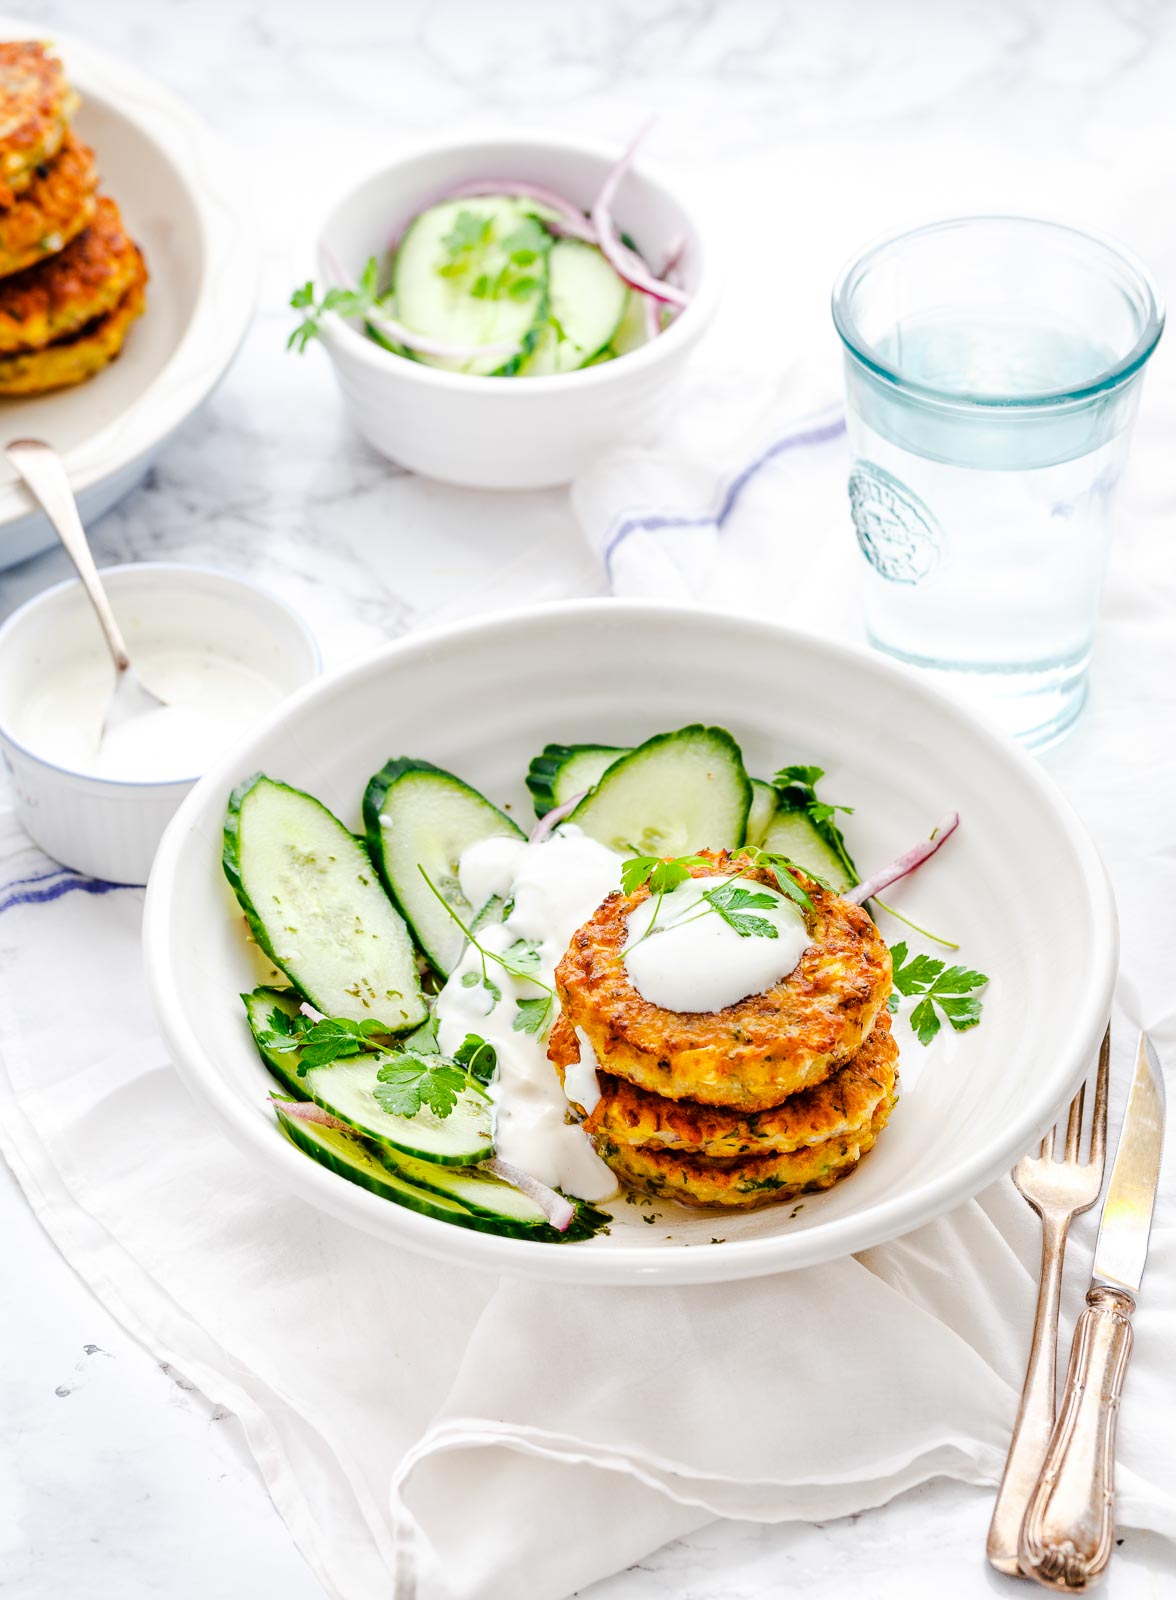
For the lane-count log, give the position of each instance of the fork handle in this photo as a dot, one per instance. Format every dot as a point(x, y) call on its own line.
point(1069, 1528)
point(1035, 1419)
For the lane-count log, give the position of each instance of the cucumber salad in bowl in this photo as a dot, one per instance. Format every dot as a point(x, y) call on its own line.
point(502, 277)
point(670, 991)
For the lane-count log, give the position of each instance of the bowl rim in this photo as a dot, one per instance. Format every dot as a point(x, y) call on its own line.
point(229, 279)
point(341, 339)
point(652, 1264)
point(49, 596)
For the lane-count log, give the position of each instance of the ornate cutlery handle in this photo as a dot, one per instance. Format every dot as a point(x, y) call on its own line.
point(1035, 1419)
point(1069, 1528)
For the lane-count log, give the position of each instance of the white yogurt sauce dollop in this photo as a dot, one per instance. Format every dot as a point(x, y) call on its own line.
point(552, 887)
point(697, 962)
point(212, 698)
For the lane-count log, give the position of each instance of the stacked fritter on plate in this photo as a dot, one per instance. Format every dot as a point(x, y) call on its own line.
point(782, 1092)
point(71, 281)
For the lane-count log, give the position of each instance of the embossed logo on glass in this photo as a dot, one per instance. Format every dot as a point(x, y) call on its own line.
point(898, 535)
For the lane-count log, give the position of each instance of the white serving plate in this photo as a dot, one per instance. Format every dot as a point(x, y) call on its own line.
point(187, 209)
point(1020, 886)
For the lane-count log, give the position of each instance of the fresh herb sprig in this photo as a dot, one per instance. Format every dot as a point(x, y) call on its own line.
point(522, 960)
point(361, 301)
point(942, 989)
point(727, 900)
point(491, 268)
point(321, 1041)
point(414, 1078)
point(415, 1072)
point(796, 790)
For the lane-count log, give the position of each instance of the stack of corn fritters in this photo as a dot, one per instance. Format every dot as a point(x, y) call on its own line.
point(71, 282)
point(782, 1092)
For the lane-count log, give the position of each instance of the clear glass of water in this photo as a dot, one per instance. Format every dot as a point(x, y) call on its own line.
point(993, 368)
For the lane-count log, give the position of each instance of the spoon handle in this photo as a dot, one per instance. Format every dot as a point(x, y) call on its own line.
point(44, 474)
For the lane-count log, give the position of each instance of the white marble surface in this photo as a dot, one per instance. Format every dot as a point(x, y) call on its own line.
point(116, 1479)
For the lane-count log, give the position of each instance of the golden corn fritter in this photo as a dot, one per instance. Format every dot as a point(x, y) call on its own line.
point(750, 1055)
point(59, 296)
point(53, 209)
point(692, 1180)
point(73, 360)
point(36, 104)
point(841, 1105)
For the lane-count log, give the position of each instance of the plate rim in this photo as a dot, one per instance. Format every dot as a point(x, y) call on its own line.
point(653, 1263)
point(230, 279)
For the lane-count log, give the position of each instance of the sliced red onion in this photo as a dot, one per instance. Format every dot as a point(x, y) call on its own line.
point(550, 820)
point(558, 1211)
point(907, 862)
point(307, 1111)
point(673, 257)
point(572, 220)
point(428, 346)
point(626, 263)
point(308, 1010)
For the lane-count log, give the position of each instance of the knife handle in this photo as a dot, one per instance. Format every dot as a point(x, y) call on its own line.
point(1069, 1528)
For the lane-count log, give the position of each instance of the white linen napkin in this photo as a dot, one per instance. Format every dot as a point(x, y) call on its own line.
point(426, 1431)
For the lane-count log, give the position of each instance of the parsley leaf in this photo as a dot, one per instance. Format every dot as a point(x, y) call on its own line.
point(796, 790)
point(531, 1015)
point(408, 1081)
point(480, 980)
point(946, 992)
point(477, 1056)
point(358, 302)
point(732, 903)
point(523, 957)
point(660, 874)
point(321, 1042)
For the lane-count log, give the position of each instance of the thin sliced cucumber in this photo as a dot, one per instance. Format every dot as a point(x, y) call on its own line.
point(763, 809)
point(489, 1206)
point(587, 306)
point(345, 1089)
point(633, 331)
point(677, 792)
point(795, 835)
point(461, 306)
point(417, 815)
point(565, 770)
point(316, 907)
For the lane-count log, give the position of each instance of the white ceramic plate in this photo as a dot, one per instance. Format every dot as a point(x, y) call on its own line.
point(183, 204)
point(1020, 886)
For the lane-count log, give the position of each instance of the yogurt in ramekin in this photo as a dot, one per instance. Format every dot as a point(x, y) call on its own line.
point(222, 652)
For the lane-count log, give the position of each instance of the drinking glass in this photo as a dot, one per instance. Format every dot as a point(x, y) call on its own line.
point(992, 368)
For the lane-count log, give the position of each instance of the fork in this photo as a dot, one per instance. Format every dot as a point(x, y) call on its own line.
point(1058, 1191)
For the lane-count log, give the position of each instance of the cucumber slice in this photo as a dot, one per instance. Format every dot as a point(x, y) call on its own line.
point(564, 770)
point(345, 1089)
point(432, 301)
point(633, 330)
point(316, 908)
point(763, 809)
point(795, 835)
point(417, 815)
point(675, 793)
point(470, 1200)
point(587, 306)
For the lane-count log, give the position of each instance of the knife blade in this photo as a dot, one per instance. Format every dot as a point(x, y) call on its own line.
point(1121, 1251)
point(1069, 1529)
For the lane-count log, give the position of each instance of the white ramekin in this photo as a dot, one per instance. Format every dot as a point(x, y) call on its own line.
point(109, 828)
point(508, 433)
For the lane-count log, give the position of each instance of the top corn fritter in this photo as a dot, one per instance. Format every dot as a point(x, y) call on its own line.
point(36, 104)
point(750, 1055)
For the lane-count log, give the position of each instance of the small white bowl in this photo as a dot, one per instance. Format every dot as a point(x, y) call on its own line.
point(508, 433)
point(109, 828)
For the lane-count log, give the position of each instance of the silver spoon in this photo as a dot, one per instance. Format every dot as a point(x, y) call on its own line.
point(44, 474)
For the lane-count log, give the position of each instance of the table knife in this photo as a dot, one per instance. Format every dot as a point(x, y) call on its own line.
point(1069, 1528)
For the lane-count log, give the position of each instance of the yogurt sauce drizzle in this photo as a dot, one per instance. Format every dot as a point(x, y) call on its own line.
point(697, 962)
point(555, 886)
